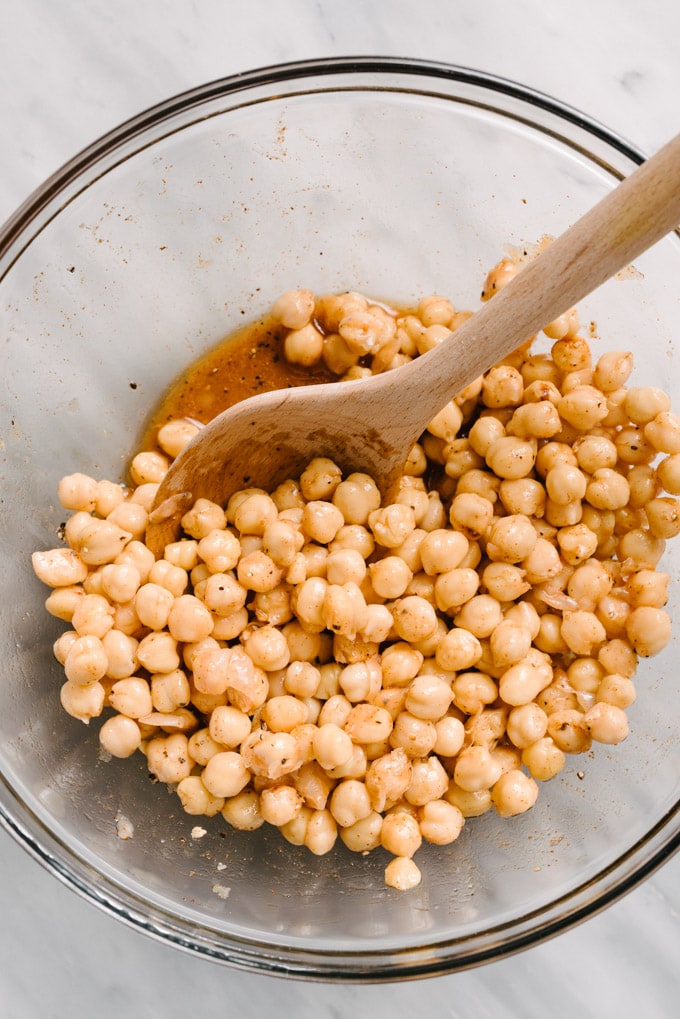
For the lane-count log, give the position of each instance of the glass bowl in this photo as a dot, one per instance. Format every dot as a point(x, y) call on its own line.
point(399, 179)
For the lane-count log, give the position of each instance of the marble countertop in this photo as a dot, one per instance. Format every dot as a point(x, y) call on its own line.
point(69, 72)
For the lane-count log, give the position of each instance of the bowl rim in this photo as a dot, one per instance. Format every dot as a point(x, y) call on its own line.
point(270, 74)
point(504, 939)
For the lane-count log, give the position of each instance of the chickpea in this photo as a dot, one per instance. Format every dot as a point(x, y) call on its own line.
point(435, 310)
point(607, 723)
point(582, 631)
point(131, 697)
point(458, 457)
point(514, 793)
point(148, 467)
point(565, 484)
point(577, 543)
point(257, 571)
point(77, 492)
point(363, 836)
point(108, 495)
point(92, 614)
point(471, 514)
point(332, 746)
point(585, 674)
point(402, 873)
point(470, 804)
point(228, 726)
point(459, 649)
point(571, 352)
point(524, 614)
point(617, 655)
point(72, 529)
point(446, 424)
point(499, 277)
point(511, 539)
point(391, 525)
point(633, 446)
point(542, 369)
point(643, 485)
point(523, 496)
point(429, 697)
point(509, 643)
point(617, 690)
point(416, 736)
point(668, 473)
point(538, 420)
point(120, 581)
point(472, 691)
point(344, 609)
point(663, 515)
point(453, 589)
point(450, 736)
point(82, 701)
point(400, 833)
point(589, 583)
point(267, 647)
point(523, 681)
point(476, 769)
point(648, 587)
point(350, 802)
point(480, 615)
point(526, 724)
point(270, 755)
point(595, 452)
point(612, 370)
point(543, 563)
point(355, 497)
point(663, 432)
point(138, 555)
point(414, 618)
point(648, 629)
point(152, 605)
point(86, 661)
point(543, 759)
point(549, 637)
point(429, 781)
point(168, 758)
point(131, 517)
point(510, 457)
point(189, 620)
point(174, 435)
point(62, 601)
point(552, 455)
point(485, 728)
point(390, 576)
point(484, 432)
point(195, 798)
point(225, 774)
point(568, 731)
point(280, 804)
point(120, 736)
point(613, 611)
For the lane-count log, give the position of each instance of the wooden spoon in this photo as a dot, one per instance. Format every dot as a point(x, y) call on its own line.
point(371, 424)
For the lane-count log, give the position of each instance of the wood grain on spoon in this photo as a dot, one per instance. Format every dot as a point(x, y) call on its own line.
point(371, 424)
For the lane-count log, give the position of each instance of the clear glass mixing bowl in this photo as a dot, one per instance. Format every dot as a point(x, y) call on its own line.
point(394, 178)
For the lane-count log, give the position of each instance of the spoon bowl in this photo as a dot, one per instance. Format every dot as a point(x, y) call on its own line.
point(371, 424)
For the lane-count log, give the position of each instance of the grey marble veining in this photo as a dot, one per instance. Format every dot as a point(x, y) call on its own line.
point(69, 72)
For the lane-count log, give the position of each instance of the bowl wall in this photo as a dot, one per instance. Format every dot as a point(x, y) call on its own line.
point(397, 180)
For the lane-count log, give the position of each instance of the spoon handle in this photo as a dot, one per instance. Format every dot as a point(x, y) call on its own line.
point(630, 219)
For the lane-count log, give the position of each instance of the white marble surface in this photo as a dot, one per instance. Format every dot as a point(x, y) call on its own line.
point(68, 72)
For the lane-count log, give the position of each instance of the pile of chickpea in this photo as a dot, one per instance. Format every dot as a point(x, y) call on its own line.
point(315, 660)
